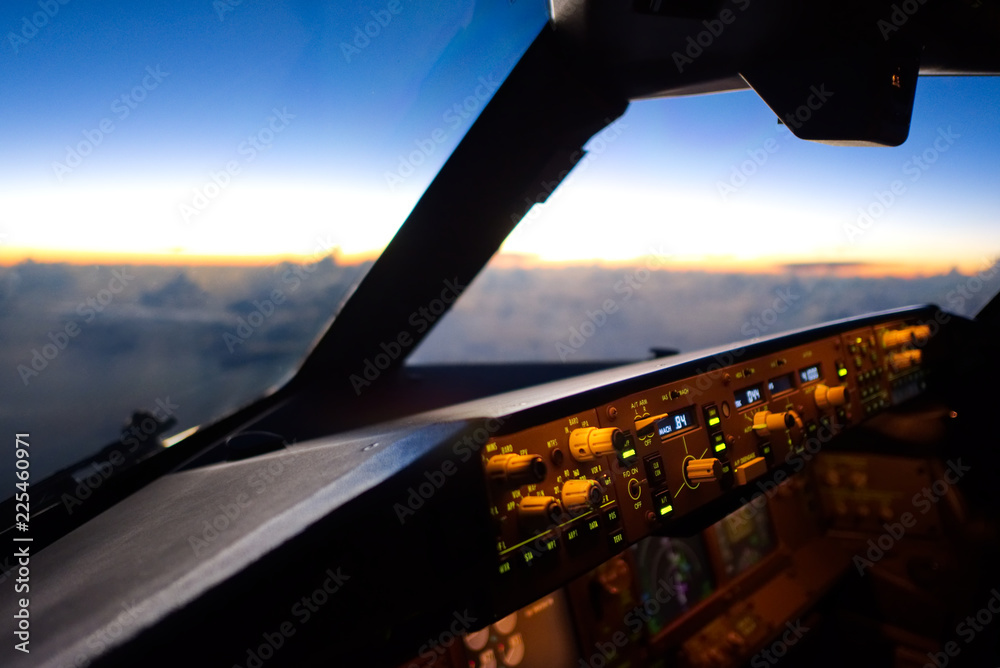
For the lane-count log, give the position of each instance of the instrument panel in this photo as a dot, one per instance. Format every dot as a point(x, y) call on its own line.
point(570, 493)
point(672, 512)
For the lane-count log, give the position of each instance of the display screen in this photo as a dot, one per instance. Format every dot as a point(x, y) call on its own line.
point(744, 538)
point(781, 383)
point(749, 396)
point(674, 574)
point(539, 635)
point(676, 421)
point(810, 373)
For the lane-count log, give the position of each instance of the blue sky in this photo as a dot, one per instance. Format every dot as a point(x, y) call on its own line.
point(353, 104)
point(676, 158)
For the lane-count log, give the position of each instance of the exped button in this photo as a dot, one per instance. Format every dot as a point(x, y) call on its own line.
point(751, 470)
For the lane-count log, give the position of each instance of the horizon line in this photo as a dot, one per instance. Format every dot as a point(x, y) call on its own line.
point(721, 265)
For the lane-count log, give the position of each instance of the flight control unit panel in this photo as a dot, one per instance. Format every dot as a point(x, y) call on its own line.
point(570, 493)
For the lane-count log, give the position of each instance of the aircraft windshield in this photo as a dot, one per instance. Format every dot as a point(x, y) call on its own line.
point(190, 192)
point(701, 221)
point(192, 189)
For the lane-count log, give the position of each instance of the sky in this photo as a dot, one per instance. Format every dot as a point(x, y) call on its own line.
point(216, 132)
point(223, 132)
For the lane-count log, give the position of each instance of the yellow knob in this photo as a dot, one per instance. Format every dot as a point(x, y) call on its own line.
point(703, 470)
point(899, 337)
point(766, 422)
point(519, 469)
point(905, 359)
point(642, 424)
point(589, 443)
point(538, 507)
point(578, 494)
point(828, 397)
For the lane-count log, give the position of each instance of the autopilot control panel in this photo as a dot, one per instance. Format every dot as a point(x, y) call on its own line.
point(570, 493)
point(608, 515)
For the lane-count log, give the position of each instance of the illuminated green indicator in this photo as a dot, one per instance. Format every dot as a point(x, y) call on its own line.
point(842, 372)
point(528, 556)
point(664, 505)
point(617, 538)
point(551, 545)
point(593, 525)
point(720, 447)
point(504, 568)
point(613, 515)
point(767, 449)
point(628, 453)
point(725, 468)
point(714, 421)
point(572, 535)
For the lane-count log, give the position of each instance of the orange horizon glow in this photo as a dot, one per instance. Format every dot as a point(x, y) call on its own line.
point(14, 256)
point(264, 223)
point(717, 265)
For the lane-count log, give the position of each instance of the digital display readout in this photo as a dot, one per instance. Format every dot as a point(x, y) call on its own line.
point(810, 373)
point(676, 421)
point(749, 396)
point(781, 383)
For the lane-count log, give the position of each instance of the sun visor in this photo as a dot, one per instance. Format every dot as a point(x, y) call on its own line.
point(863, 97)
